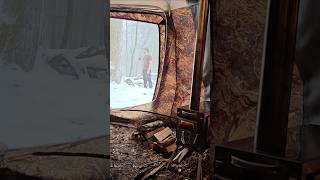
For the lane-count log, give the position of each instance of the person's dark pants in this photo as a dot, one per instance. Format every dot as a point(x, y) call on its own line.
point(147, 79)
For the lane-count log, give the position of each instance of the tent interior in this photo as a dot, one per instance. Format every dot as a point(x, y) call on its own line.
point(256, 109)
point(232, 95)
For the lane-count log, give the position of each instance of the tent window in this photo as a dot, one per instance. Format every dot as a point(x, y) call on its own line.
point(134, 61)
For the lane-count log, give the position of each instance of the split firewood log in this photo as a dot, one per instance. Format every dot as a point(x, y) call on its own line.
point(161, 135)
point(150, 134)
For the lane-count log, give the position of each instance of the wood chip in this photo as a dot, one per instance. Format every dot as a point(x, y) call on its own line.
point(180, 155)
point(160, 136)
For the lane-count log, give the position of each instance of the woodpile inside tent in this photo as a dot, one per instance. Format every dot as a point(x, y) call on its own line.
point(136, 157)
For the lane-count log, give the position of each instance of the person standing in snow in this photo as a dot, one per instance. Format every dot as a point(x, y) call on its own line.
point(146, 68)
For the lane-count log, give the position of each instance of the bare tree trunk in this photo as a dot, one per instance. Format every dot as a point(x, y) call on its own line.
point(67, 24)
point(134, 50)
point(25, 34)
point(116, 32)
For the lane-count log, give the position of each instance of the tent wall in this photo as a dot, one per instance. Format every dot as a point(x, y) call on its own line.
point(238, 37)
point(238, 43)
point(151, 18)
point(186, 38)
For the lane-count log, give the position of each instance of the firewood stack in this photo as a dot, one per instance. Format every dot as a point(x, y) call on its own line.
point(157, 136)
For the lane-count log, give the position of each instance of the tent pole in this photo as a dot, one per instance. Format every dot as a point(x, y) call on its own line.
point(199, 55)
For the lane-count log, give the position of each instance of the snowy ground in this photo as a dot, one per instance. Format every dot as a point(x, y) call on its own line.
point(43, 107)
point(130, 92)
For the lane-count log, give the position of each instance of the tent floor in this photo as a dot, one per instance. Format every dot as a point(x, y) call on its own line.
point(129, 158)
point(62, 167)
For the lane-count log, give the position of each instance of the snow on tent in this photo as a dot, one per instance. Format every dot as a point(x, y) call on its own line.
point(53, 83)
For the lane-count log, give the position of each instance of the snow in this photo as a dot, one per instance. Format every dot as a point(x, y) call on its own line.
point(128, 41)
point(124, 95)
point(43, 107)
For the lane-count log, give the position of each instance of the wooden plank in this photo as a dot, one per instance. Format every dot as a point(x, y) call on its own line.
point(199, 55)
point(153, 171)
point(150, 134)
point(123, 124)
point(160, 136)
